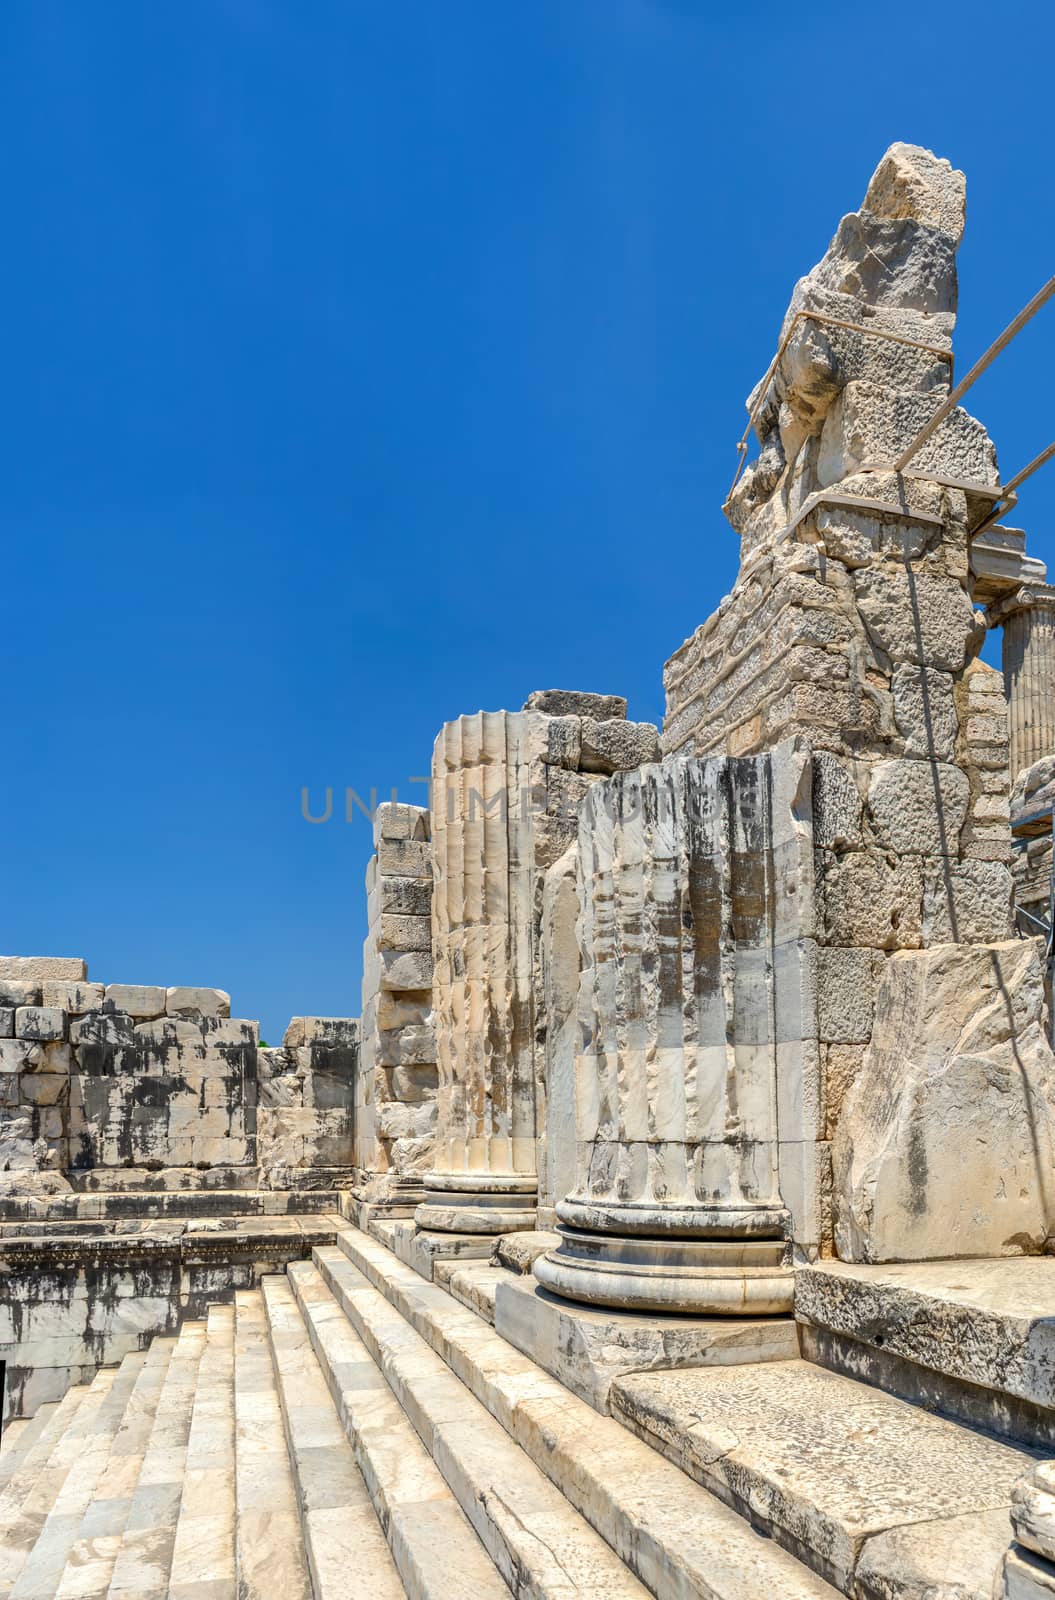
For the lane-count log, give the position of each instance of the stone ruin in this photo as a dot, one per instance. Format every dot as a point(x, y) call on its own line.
point(678, 1219)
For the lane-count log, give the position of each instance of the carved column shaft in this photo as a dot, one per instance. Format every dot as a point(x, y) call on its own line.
point(677, 1203)
point(1029, 674)
point(484, 1177)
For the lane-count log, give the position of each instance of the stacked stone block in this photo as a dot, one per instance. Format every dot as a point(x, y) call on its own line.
point(851, 626)
point(305, 1111)
point(142, 1087)
point(506, 793)
point(396, 1084)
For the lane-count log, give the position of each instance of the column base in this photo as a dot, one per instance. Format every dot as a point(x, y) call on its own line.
point(696, 1277)
point(488, 1204)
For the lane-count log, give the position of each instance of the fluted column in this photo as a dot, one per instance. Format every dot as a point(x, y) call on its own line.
point(677, 1203)
point(1028, 618)
point(484, 1174)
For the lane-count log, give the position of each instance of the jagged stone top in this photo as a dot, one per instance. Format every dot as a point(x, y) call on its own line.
point(913, 183)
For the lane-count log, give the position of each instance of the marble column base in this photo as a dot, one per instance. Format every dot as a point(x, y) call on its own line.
point(696, 1277)
point(484, 1203)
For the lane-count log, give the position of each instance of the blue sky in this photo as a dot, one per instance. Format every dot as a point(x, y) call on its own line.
point(370, 363)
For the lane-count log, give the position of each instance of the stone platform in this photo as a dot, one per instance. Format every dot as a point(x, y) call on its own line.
point(76, 1296)
point(975, 1339)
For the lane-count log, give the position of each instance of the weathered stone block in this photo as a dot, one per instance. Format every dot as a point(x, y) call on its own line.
point(393, 820)
point(403, 933)
point(615, 745)
point(34, 969)
point(40, 1022)
point(135, 999)
point(837, 804)
point(842, 1064)
point(959, 1062)
point(7, 1022)
point(15, 992)
point(869, 899)
point(925, 711)
point(575, 703)
point(846, 989)
point(966, 901)
point(76, 998)
point(190, 1002)
point(916, 618)
point(405, 858)
point(407, 897)
point(918, 807)
point(321, 1030)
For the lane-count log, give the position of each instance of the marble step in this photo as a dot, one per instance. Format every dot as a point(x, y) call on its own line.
point(346, 1549)
point(203, 1551)
point(19, 1435)
point(90, 1562)
point(34, 1455)
point(43, 1568)
point(19, 1531)
point(437, 1553)
point(540, 1544)
point(270, 1551)
point(679, 1540)
point(143, 1557)
point(880, 1496)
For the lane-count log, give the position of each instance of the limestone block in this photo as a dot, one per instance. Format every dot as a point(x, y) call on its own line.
point(842, 1064)
point(113, 1030)
point(925, 711)
point(403, 933)
point(966, 901)
point(404, 858)
point(921, 619)
point(836, 803)
point(76, 998)
point(870, 899)
point(399, 1009)
point(575, 703)
point(918, 807)
point(189, 1002)
point(19, 1055)
point(913, 183)
point(398, 821)
point(321, 1030)
point(35, 969)
point(945, 1145)
point(135, 999)
point(40, 1022)
point(870, 424)
point(15, 992)
point(615, 745)
point(397, 969)
point(7, 1022)
point(409, 1046)
point(847, 980)
point(407, 897)
point(412, 1084)
point(399, 1120)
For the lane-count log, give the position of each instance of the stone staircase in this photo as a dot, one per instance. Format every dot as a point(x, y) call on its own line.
point(350, 1429)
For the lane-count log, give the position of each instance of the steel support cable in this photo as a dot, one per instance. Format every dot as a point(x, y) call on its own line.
point(1040, 299)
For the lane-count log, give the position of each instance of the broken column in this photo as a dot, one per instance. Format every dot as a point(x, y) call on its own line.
point(396, 1084)
point(1028, 620)
point(506, 787)
point(697, 1038)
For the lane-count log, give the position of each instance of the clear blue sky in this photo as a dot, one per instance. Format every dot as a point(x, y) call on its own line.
point(369, 363)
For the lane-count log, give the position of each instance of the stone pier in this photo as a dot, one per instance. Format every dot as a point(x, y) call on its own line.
point(484, 1174)
point(1028, 618)
point(506, 787)
point(690, 999)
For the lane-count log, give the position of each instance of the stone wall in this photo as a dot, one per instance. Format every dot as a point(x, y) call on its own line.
point(132, 1087)
point(396, 1086)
